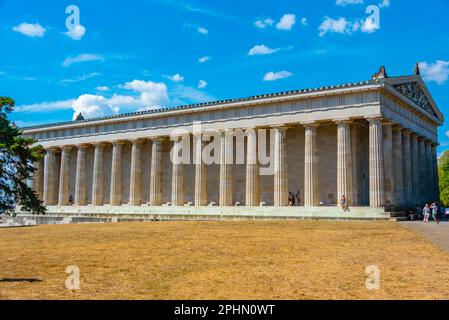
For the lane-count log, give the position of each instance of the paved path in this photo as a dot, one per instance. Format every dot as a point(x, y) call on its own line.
point(437, 233)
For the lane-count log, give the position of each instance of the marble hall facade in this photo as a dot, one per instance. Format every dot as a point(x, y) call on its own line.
point(373, 141)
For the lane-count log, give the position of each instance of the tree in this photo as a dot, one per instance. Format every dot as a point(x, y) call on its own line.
point(17, 155)
point(443, 172)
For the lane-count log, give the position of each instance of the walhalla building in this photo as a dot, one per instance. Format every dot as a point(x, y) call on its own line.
point(374, 142)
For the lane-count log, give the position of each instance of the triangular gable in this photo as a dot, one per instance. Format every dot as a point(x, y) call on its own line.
point(414, 89)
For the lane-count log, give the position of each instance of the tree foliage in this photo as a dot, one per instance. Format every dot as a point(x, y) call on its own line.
point(17, 155)
point(443, 171)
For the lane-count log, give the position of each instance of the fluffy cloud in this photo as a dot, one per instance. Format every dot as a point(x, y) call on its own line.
point(77, 33)
point(261, 50)
point(437, 71)
point(46, 106)
point(102, 88)
point(30, 30)
point(346, 2)
point(287, 22)
point(202, 84)
point(203, 59)
point(273, 76)
point(263, 23)
point(176, 78)
point(304, 21)
point(203, 30)
point(344, 26)
point(384, 3)
point(83, 57)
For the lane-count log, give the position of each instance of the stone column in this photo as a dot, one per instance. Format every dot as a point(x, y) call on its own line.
point(81, 176)
point(344, 160)
point(37, 182)
point(49, 178)
point(280, 167)
point(376, 164)
point(429, 172)
point(200, 172)
point(412, 182)
point(436, 178)
point(311, 183)
point(156, 172)
point(398, 168)
point(252, 170)
point(422, 171)
point(388, 162)
point(226, 164)
point(116, 174)
point(64, 177)
point(177, 185)
point(98, 176)
point(135, 182)
point(356, 193)
point(408, 169)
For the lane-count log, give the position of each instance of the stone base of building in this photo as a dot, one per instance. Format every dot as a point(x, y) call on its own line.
point(92, 214)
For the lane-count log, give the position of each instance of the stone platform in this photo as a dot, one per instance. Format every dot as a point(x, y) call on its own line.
point(92, 214)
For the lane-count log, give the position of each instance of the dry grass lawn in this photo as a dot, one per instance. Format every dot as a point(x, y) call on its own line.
point(222, 260)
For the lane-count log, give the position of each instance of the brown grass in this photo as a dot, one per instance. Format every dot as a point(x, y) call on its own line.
point(222, 260)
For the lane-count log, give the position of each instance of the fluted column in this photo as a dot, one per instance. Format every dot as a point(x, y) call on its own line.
point(116, 174)
point(409, 165)
point(388, 162)
point(81, 176)
point(156, 172)
point(344, 160)
point(422, 170)
point(64, 177)
point(49, 178)
point(414, 187)
point(135, 182)
point(398, 168)
point(37, 182)
point(311, 183)
point(177, 184)
point(226, 163)
point(252, 169)
point(98, 176)
point(200, 172)
point(376, 164)
point(280, 167)
point(356, 193)
point(429, 172)
point(436, 178)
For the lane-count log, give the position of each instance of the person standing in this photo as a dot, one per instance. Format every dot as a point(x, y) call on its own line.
point(298, 199)
point(426, 212)
point(344, 203)
point(434, 208)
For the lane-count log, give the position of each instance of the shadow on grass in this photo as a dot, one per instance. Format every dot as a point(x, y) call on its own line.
point(30, 280)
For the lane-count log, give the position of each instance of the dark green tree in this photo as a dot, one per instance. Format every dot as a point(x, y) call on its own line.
point(17, 155)
point(443, 172)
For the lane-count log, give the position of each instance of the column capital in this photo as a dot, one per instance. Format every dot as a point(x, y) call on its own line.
point(137, 141)
point(342, 121)
point(388, 123)
point(310, 124)
point(279, 126)
point(397, 128)
point(52, 150)
point(374, 119)
point(421, 139)
point(429, 142)
point(117, 142)
point(435, 144)
point(82, 146)
point(67, 148)
point(99, 144)
point(157, 139)
point(407, 132)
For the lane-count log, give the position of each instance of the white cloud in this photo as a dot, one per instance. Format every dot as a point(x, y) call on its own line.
point(102, 88)
point(263, 23)
point(30, 30)
point(203, 30)
point(203, 59)
point(304, 21)
point(77, 33)
point(202, 84)
point(437, 71)
point(46, 106)
point(83, 57)
point(176, 78)
point(81, 78)
point(340, 25)
point(273, 76)
point(287, 22)
point(92, 106)
point(384, 3)
point(346, 2)
point(261, 50)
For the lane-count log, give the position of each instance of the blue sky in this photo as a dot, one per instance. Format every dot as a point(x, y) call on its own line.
point(147, 53)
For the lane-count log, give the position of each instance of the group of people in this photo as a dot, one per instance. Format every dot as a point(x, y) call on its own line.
point(294, 199)
point(434, 209)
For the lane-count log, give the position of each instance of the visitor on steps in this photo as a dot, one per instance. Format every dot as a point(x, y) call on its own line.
point(426, 213)
point(344, 203)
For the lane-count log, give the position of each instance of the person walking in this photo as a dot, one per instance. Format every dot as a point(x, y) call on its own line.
point(290, 199)
point(344, 203)
point(298, 199)
point(426, 212)
point(434, 208)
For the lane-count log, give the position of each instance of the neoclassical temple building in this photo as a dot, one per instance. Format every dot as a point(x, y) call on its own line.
point(374, 142)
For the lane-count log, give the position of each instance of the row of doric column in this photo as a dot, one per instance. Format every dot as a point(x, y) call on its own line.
point(402, 170)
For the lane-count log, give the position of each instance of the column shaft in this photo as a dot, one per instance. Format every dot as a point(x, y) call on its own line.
point(311, 183)
point(98, 178)
point(409, 168)
point(226, 160)
point(37, 182)
point(422, 171)
point(376, 164)
point(177, 175)
point(356, 193)
point(200, 173)
point(64, 178)
point(116, 174)
point(344, 161)
point(412, 187)
point(398, 168)
point(280, 167)
point(135, 182)
point(436, 178)
point(388, 163)
point(81, 177)
point(429, 172)
point(252, 170)
point(156, 173)
point(49, 178)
